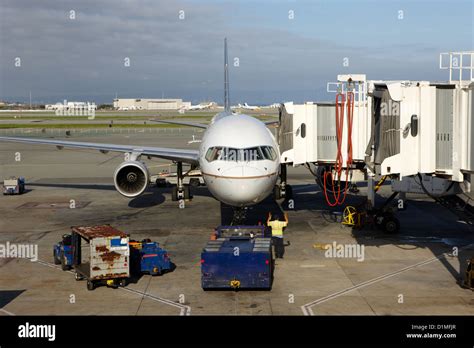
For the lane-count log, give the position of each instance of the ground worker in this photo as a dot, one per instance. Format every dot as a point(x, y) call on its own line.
point(277, 233)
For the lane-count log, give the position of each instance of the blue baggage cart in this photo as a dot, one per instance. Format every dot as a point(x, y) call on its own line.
point(240, 257)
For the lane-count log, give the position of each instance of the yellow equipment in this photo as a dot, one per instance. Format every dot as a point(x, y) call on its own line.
point(351, 217)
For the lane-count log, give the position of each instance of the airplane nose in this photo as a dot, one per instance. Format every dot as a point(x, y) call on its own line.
point(242, 185)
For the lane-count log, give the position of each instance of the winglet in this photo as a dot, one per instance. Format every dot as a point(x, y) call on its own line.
point(226, 78)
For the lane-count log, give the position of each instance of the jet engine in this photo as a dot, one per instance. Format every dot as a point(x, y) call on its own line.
point(131, 178)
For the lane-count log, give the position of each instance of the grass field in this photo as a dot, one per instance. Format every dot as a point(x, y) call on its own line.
point(61, 122)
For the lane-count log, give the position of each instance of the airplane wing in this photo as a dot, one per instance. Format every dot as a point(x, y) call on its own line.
point(183, 123)
point(187, 156)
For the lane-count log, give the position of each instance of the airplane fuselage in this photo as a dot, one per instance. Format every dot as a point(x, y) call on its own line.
point(239, 160)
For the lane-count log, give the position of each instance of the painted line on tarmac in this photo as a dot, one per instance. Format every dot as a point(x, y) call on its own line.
point(6, 312)
point(184, 309)
point(307, 307)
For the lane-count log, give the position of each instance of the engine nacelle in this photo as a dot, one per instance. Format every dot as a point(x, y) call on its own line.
point(131, 178)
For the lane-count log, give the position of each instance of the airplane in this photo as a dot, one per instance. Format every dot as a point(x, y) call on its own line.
point(239, 157)
point(197, 107)
point(247, 106)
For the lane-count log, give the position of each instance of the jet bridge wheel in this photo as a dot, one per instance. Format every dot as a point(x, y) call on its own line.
point(389, 223)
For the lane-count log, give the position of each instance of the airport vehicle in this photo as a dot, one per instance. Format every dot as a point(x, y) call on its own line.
point(14, 186)
point(192, 177)
point(238, 157)
point(147, 257)
point(108, 254)
point(239, 258)
point(63, 253)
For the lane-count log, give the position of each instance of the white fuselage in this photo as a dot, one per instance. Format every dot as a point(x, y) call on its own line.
point(239, 160)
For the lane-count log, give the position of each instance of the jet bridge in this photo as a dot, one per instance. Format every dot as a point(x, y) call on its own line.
point(397, 129)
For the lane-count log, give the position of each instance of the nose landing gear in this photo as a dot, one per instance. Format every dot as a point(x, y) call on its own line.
point(283, 190)
point(180, 191)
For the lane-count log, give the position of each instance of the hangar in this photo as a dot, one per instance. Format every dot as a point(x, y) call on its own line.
point(149, 104)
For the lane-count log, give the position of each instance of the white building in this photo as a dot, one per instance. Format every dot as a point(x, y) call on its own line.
point(149, 104)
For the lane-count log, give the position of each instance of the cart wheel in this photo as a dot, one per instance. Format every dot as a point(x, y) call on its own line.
point(174, 194)
point(123, 282)
point(56, 260)
point(187, 192)
point(78, 277)
point(390, 224)
point(194, 182)
point(64, 267)
point(157, 272)
point(90, 285)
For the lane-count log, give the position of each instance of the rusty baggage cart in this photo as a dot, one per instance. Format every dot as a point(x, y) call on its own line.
point(104, 259)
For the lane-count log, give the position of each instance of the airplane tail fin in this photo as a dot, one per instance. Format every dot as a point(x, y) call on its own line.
point(226, 78)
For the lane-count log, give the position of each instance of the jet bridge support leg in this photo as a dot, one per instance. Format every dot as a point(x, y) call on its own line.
point(370, 192)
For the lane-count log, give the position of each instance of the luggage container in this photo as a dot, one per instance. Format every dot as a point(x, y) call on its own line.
point(106, 256)
point(147, 257)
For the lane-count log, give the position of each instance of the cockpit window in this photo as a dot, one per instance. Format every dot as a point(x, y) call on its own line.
point(229, 154)
point(269, 153)
point(213, 153)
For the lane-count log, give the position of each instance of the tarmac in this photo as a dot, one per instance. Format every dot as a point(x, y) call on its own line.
point(416, 272)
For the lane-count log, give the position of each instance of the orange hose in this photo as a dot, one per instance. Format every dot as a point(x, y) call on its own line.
point(339, 164)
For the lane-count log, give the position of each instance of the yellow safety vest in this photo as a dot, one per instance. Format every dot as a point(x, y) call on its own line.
point(277, 227)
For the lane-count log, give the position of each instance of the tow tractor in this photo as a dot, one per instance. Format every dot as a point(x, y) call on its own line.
point(147, 257)
point(238, 257)
point(14, 186)
point(63, 253)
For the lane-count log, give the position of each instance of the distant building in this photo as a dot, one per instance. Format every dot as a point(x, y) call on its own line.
point(149, 104)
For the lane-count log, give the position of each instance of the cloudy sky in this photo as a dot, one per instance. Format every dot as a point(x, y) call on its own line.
point(285, 50)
